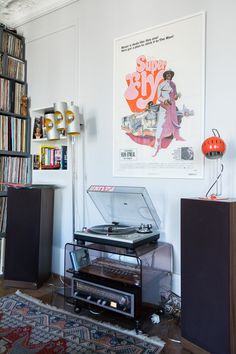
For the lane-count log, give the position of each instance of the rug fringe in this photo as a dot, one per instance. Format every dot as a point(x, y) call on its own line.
point(39, 302)
point(131, 332)
point(153, 340)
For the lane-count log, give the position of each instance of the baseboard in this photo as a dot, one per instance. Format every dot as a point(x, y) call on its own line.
point(20, 284)
point(176, 284)
point(193, 348)
point(66, 292)
point(60, 278)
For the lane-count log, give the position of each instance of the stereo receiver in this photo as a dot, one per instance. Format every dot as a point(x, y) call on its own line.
point(108, 298)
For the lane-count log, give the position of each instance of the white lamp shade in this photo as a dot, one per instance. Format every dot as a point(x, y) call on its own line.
point(51, 130)
point(60, 115)
point(73, 120)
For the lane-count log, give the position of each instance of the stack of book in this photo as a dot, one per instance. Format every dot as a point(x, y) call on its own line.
point(10, 95)
point(12, 45)
point(13, 131)
point(50, 158)
point(15, 68)
point(14, 170)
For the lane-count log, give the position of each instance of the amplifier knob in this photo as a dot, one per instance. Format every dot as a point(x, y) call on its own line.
point(99, 301)
point(89, 297)
point(123, 301)
point(104, 303)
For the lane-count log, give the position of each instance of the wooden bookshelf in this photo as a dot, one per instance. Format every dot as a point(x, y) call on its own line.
point(15, 158)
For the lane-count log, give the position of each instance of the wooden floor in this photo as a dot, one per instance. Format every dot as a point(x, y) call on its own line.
point(168, 329)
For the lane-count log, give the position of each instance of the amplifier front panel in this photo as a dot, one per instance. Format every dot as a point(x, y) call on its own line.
point(105, 297)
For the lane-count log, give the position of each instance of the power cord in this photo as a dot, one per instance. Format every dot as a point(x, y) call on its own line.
point(170, 305)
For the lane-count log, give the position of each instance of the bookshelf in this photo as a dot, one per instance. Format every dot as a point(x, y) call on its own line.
point(15, 158)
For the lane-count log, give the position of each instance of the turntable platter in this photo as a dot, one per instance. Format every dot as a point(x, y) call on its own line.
point(112, 229)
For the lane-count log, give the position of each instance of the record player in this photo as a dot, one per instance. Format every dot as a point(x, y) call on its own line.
point(130, 217)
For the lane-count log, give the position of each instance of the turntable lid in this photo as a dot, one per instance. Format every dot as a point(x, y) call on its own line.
point(126, 205)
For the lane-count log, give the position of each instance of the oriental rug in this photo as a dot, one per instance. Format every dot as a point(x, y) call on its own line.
point(29, 326)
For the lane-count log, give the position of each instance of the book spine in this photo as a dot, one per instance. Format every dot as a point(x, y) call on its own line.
point(64, 157)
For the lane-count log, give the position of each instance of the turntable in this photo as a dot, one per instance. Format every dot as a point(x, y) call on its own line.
point(130, 217)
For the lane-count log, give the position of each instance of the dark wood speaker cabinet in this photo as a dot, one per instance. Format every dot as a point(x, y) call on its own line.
point(28, 236)
point(208, 276)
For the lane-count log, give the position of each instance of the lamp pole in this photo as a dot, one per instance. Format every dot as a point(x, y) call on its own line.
point(73, 163)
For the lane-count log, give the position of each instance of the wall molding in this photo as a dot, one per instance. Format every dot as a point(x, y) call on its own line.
point(43, 8)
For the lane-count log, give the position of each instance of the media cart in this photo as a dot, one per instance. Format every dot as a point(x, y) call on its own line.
point(115, 279)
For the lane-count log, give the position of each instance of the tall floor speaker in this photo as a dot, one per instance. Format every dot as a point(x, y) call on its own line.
point(208, 276)
point(28, 236)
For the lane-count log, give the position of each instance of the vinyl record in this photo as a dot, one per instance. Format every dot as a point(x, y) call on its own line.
point(112, 229)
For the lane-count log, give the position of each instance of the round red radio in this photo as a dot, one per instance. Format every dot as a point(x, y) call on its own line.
point(213, 147)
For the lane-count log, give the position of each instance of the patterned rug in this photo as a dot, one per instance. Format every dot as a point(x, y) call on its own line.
point(28, 326)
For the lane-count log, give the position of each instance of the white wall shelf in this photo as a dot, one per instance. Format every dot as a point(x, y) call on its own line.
point(38, 144)
point(45, 139)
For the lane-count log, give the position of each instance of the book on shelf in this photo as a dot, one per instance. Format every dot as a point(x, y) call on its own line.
point(1, 64)
point(57, 156)
point(6, 95)
point(36, 162)
point(3, 214)
point(20, 90)
point(23, 135)
point(64, 157)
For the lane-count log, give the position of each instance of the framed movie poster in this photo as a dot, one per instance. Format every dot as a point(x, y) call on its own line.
point(158, 116)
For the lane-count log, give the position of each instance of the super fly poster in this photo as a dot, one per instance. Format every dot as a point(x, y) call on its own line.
point(158, 117)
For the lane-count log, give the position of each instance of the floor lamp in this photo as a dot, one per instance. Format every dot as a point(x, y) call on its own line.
point(73, 131)
point(67, 117)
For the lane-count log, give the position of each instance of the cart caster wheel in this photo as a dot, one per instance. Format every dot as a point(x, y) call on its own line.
point(138, 331)
point(77, 309)
point(137, 327)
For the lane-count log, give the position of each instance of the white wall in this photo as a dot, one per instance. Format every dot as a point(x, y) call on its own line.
point(99, 23)
point(52, 75)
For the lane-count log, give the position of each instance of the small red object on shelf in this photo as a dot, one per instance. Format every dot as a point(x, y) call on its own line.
point(50, 167)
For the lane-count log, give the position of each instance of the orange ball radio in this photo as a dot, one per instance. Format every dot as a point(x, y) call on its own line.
point(214, 148)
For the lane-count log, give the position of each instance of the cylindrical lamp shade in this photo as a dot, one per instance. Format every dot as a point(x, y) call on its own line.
point(51, 130)
point(60, 115)
point(72, 120)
